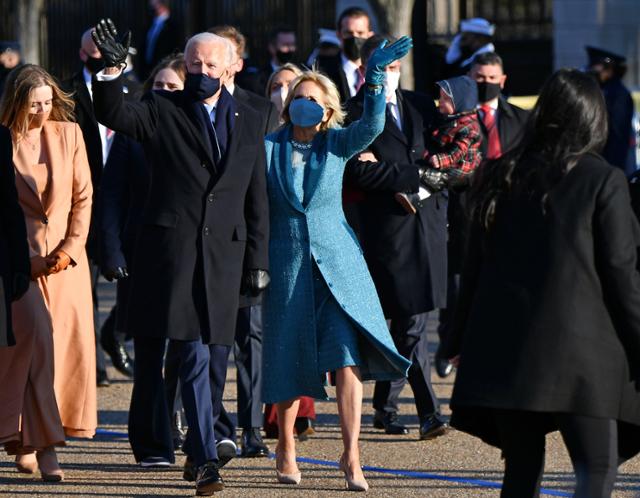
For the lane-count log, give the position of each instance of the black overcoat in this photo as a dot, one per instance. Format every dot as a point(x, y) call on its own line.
point(14, 249)
point(406, 254)
point(331, 65)
point(548, 318)
point(123, 195)
point(511, 126)
point(203, 223)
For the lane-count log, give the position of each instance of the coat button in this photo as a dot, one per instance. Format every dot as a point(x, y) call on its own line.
point(206, 230)
point(45, 221)
point(203, 165)
point(318, 261)
point(330, 284)
point(210, 197)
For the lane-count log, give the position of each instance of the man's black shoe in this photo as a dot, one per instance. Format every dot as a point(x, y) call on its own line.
point(102, 379)
point(432, 427)
point(208, 480)
point(252, 444)
point(119, 357)
point(226, 450)
point(190, 471)
point(389, 422)
point(443, 367)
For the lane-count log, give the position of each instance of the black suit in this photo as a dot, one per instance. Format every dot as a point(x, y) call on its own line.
point(511, 125)
point(406, 254)
point(332, 67)
point(14, 249)
point(204, 223)
point(248, 339)
point(548, 319)
point(169, 40)
point(255, 79)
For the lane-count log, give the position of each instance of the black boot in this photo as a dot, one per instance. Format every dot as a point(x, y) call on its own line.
point(252, 444)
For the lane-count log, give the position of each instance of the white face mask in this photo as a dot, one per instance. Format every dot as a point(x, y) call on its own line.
point(392, 79)
point(278, 97)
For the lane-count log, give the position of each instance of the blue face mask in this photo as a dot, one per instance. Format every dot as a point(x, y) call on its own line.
point(200, 86)
point(305, 113)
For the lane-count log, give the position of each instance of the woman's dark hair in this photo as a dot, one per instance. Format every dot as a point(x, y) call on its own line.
point(568, 121)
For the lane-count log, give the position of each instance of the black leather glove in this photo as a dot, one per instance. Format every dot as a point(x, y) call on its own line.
point(114, 50)
point(254, 282)
point(112, 274)
point(21, 283)
point(433, 179)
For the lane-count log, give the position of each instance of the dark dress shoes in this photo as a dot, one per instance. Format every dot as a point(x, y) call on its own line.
point(389, 422)
point(252, 444)
point(432, 427)
point(226, 450)
point(153, 462)
point(120, 358)
point(102, 379)
point(190, 471)
point(443, 367)
point(208, 480)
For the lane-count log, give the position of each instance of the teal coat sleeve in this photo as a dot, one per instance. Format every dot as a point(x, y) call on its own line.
point(361, 133)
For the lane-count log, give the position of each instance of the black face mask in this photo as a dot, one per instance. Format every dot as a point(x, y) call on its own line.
point(488, 91)
point(93, 64)
point(200, 86)
point(352, 46)
point(285, 57)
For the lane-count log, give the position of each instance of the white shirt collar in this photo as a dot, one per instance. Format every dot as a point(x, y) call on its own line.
point(231, 87)
point(348, 65)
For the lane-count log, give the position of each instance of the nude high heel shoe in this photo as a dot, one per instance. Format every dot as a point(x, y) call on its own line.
point(27, 463)
point(353, 484)
point(287, 478)
point(49, 468)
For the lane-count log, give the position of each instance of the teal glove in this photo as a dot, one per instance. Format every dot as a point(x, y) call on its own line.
point(385, 55)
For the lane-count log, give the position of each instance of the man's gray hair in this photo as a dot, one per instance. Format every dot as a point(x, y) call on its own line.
point(210, 38)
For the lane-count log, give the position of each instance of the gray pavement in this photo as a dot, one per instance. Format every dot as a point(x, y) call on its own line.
point(455, 465)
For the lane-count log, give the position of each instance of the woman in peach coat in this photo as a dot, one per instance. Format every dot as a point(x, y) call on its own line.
point(53, 322)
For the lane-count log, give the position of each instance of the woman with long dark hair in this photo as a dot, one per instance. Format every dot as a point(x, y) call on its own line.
point(548, 322)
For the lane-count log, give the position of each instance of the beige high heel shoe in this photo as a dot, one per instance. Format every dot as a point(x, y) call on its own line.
point(287, 478)
point(49, 468)
point(27, 463)
point(352, 484)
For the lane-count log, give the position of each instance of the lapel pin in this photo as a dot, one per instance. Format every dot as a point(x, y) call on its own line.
point(236, 113)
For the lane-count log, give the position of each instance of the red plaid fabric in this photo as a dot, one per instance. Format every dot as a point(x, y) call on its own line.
point(458, 145)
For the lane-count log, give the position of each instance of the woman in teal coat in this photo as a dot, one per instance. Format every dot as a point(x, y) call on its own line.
point(322, 312)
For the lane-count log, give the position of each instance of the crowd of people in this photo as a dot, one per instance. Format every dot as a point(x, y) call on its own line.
point(309, 218)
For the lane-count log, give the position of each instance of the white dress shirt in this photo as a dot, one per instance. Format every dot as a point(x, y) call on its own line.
point(106, 135)
point(351, 70)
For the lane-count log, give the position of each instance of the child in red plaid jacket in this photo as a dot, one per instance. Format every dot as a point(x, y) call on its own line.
point(455, 144)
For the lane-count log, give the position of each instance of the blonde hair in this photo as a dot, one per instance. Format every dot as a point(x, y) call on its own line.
point(285, 67)
point(16, 99)
point(331, 98)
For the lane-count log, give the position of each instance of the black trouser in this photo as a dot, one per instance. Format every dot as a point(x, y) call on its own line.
point(409, 335)
point(445, 318)
point(149, 426)
point(101, 362)
point(247, 352)
point(592, 444)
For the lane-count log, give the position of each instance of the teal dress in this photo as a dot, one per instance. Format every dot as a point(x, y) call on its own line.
point(321, 310)
point(336, 334)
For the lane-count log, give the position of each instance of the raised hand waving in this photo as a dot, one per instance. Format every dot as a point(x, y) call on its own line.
point(113, 49)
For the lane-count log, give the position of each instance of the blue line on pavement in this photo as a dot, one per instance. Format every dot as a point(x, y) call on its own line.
point(424, 475)
point(105, 432)
point(381, 470)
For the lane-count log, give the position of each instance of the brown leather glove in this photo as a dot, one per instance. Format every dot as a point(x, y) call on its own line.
point(58, 261)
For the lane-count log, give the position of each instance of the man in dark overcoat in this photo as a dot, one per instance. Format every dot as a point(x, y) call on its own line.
point(247, 350)
point(15, 273)
point(406, 254)
point(205, 227)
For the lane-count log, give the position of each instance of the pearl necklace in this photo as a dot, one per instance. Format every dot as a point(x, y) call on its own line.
point(301, 145)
